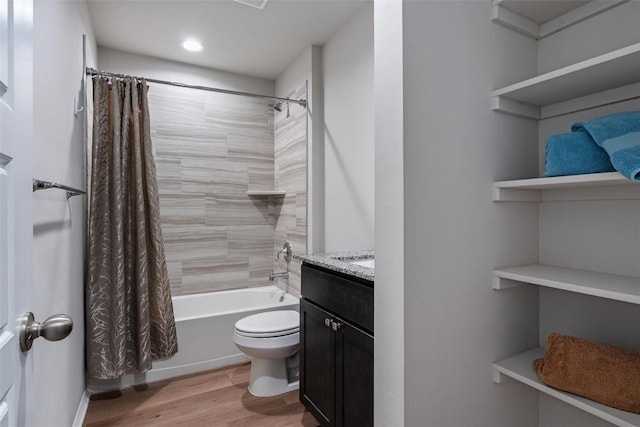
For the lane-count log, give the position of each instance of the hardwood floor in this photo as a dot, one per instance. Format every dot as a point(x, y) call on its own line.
point(213, 398)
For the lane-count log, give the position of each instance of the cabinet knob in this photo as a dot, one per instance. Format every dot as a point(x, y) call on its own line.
point(327, 322)
point(336, 325)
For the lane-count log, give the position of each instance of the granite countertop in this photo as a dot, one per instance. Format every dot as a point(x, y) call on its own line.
point(339, 261)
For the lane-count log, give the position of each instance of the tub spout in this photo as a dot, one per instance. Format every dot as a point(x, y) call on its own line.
point(278, 276)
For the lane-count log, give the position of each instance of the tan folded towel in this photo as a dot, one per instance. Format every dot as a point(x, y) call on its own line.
point(604, 373)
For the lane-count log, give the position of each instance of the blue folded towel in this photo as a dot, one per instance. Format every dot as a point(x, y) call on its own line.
point(574, 154)
point(624, 152)
point(610, 126)
point(619, 135)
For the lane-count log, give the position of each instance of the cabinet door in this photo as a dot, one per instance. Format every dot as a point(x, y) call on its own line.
point(317, 363)
point(354, 377)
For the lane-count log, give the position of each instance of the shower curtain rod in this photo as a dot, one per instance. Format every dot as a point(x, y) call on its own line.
point(94, 72)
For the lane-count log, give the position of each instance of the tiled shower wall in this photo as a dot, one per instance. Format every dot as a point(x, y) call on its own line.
point(291, 175)
point(210, 149)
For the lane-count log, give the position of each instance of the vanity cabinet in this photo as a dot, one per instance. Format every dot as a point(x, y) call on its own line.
point(336, 347)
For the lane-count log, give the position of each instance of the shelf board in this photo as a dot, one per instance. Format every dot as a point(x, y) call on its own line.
point(610, 286)
point(520, 368)
point(601, 74)
point(528, 190)
point(263, 193)
point(541, 19)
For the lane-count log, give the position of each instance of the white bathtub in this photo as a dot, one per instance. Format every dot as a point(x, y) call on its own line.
point(205, 324)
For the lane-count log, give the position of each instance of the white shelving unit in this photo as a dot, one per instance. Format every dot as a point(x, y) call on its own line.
point(608, 78)
point(539, 22)
point(530, 190)
point(605, 79)
point(610, 286)
point(266, 193)
point(520, 368)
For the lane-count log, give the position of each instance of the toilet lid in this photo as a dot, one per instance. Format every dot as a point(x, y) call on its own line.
point(281, 322)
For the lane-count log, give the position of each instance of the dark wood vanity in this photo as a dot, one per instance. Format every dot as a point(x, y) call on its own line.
point(336, 347)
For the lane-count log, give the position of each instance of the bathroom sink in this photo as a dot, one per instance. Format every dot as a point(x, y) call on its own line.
point(369, 263)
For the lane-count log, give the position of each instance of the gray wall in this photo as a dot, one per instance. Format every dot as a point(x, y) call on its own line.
point(454, 235)
point(348, 139)
point(389, 346)
point(58, 230)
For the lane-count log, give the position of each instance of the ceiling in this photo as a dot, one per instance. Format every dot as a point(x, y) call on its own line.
point(236, 38)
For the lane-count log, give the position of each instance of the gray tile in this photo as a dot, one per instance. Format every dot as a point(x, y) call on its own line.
point(259, 269)
point(175, 277)
point(261, 177)
point(190, 140)
point(192, 242)
point(294, 278)
point(230, 177)
point(235, 209)
point(210, 149)
point(256, 240)
point(168, 174)
point(286, 216)
point(213, 176)
point(301, 210)
point(202, 276)
point(176, 105)
point(182, 209)
point(231, 112)
point(249, 148)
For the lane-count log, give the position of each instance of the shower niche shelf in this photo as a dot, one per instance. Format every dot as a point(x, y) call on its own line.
point(266, 193)
point(520, 368)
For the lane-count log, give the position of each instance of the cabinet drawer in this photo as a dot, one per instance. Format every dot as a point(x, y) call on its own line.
point(349, 298)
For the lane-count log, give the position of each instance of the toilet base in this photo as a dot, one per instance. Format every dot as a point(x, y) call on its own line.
point(268, 377)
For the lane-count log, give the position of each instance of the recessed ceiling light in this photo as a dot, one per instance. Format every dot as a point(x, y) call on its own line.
point(258, 4)
point(191, 45)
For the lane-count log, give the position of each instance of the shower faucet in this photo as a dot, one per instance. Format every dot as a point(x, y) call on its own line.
point(278, 276)
point(286, 252)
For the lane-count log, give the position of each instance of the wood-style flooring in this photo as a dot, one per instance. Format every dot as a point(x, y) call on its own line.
point(213, 398)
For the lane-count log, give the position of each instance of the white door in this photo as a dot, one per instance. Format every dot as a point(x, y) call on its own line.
point(16, 225)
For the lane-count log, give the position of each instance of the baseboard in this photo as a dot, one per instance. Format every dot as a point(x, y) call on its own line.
point(81, 412)
point(154, 375)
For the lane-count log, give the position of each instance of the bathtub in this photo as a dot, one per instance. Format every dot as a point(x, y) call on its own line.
point(205, 324)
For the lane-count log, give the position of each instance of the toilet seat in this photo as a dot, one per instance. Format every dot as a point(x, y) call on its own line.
point(266, 334)
point(269, 324)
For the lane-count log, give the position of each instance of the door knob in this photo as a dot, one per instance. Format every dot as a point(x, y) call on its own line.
point(55, 328)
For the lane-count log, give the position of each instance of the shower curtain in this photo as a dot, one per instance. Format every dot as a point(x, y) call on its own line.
point(129, 312)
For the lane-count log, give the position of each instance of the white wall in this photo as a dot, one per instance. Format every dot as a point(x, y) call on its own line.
point(454, 235)
point(147, 66)
point(389, 344)
point(348, 141)
point(58, 249)
point(609, 31)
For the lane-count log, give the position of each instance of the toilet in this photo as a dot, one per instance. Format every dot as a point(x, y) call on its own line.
point(269, 338)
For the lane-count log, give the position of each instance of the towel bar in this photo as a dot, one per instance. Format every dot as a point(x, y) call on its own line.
point(44, 185)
